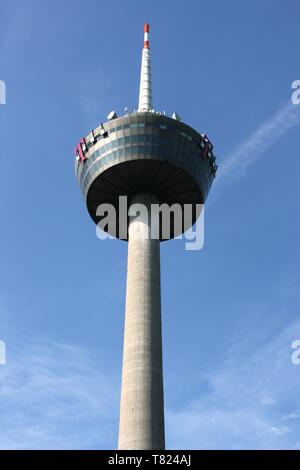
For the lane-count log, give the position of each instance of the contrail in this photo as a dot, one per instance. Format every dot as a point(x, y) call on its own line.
point(268, 133)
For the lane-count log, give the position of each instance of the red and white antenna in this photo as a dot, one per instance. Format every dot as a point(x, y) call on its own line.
point(146, 35)
point(145, 98)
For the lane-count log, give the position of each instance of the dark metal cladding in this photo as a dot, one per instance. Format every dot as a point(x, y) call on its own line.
point(146, 152)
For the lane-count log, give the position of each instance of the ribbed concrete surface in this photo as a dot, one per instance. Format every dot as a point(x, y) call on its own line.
point(145, 98)
point(142, 410)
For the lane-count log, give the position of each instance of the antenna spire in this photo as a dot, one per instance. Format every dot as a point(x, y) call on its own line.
point(145, 98)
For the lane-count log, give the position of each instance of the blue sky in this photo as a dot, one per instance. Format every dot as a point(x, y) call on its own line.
point(231, 310)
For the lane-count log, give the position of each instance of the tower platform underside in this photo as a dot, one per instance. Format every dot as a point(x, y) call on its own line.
point(145, 152)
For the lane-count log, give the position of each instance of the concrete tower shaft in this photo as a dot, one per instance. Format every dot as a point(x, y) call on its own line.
point(142, 411)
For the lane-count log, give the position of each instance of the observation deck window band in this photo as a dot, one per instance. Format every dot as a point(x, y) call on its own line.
point(181, 154)
point(165, 148)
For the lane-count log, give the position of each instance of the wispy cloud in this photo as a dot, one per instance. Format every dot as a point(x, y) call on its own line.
point(248, 397)
point(267, 134)
point(53, 397)
point(242, 408)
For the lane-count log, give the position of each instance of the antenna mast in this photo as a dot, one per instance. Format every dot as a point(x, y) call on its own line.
point(145, 98)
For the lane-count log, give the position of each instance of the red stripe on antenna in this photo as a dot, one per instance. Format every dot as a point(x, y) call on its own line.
point(146, 28)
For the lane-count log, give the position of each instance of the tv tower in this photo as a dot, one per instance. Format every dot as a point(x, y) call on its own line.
point(152, 159)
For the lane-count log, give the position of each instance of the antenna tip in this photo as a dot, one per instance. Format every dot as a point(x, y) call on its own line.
point(146, 35)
